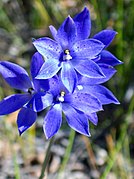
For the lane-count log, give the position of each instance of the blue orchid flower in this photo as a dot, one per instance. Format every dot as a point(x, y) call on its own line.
point(76, 106)
point(105, 60)
point(35, 97)
point(70, 53)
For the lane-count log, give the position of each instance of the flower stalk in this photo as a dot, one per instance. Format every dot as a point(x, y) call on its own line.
point(46, 159)
point(67, 153)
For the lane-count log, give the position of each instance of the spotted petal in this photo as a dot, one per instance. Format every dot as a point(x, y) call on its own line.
point(105, 36)
point(76, 119)
point(52, 121)
point(54, 85)
point(48, 48)
point(88, 68)
point(68, 76)
point(88, 48)
point(13, 103)
point(15, 75)
point(84, 102)
point(26, 119)
point(83, 24)
point(49, 69)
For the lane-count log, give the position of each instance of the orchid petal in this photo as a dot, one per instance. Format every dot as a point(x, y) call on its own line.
point(88, 68)
point(93, 118)
point(105, 36)
point(83, 24)
point(53, 32)
point(109, 59)
point(53, 120)
point(84, 102)
point(102, 93)
point(68, 76)
point(48, 48)
point(26, 119)
point(15, 76)
point(88, 48)
point(54, 84)
point(40, 84)
point(108, 71)
point(67, 33)
point(36, 63)
point(49, 69)
point(76, 119)
point(13, 103)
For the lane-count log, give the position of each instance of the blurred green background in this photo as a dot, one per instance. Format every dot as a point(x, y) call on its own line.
point(109, 153)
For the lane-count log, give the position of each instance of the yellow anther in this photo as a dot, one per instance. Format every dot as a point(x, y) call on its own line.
point(67, 55)
point(62, 93)
point(61, 97)
point(67, 52)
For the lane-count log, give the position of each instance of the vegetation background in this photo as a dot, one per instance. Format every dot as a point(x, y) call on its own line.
point(109, 153)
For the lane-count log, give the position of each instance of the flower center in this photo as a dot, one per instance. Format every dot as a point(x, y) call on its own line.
point(60, 98)
point(67, 55)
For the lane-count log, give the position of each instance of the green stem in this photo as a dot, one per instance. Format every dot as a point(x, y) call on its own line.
point(67, 153)
point(16, 166)
point(46, 159)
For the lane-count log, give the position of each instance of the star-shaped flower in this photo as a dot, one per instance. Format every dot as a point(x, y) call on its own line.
point(35, 97)
point(76, 106)
point(68, 54)
point(105, 60)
